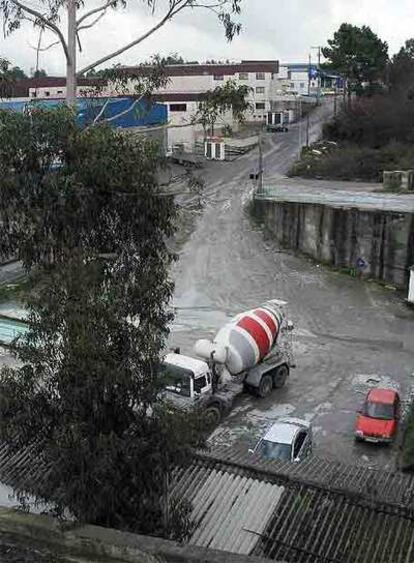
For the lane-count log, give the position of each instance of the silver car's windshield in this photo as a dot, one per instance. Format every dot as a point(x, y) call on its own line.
point(274, 450)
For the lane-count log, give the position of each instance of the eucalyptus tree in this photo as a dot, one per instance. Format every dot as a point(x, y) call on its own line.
point(84, 212)
point(81, 20)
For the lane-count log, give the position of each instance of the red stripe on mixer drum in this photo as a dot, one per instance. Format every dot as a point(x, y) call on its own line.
point(264, 315)
point(257, 332)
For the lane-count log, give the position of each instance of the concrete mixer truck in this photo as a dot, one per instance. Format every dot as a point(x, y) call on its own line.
point(252, 352)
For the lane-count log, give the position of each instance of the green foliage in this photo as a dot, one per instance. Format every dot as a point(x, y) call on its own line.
point(353, 162)
point(84, 210)
point(407, 453)
point(39, 73)
point(357, 54)
point(401, 71)
point(229, 97)
point(374, 122)
point(5, 82)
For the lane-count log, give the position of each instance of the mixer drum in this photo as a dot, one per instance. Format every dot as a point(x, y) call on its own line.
point(250, 336)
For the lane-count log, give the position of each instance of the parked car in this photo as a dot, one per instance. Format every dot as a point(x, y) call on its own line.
point(377, 421)
point(276, 129)
point(281, 129)
point(288, 439)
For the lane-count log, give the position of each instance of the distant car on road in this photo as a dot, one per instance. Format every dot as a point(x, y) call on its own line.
point(288, 439)
point(277, 129)
point(377, 421)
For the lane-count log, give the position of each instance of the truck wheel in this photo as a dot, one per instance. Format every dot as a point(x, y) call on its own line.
point(212, 416)
point(265, 386)
point(280, 376)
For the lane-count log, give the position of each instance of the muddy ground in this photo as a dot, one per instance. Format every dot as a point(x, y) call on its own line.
point(349, 334)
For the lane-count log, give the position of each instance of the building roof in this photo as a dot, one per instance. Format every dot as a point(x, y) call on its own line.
point(178, 97)
point(20, 88)
point(225, 69)
point(229, 511)
point(316, 511)
point(379, 395)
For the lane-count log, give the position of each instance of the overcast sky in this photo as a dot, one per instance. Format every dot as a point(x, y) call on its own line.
point(272, 29)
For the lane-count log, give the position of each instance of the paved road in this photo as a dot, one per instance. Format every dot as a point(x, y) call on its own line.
point(350, 335)
point(338, 194)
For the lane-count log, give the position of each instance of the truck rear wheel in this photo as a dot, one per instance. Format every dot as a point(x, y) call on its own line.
point(280, 376)
point(265, 386)
point(212, 416)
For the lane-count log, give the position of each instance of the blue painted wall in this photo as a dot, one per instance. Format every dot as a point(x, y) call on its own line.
point(141, 115)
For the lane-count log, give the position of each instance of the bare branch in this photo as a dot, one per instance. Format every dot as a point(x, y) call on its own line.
point(38, 48)
point(95, 21)
point(92, 12)
point(175, 7)
point(125, 111)
point(103, 108)
point(50, 25)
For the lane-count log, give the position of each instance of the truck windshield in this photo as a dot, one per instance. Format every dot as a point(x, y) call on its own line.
point(274, 450)
point(176, 379)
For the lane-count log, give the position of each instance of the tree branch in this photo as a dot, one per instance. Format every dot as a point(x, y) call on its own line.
point(95, 21)
point(45, 22)
point(175, 8)
point(46, 48)
point(130, 108)
point(92, 12)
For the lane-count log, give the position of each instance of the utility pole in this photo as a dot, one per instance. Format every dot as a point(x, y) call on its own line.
point(319, 76)
point(318, 95)
point(71, 59)
point(300, 126)
point(309, 73)
point(260, 163)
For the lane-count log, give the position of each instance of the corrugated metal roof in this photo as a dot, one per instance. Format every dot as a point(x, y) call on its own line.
point(229, 511)
point(316, 511)
point(374, 485)
point(254, 509)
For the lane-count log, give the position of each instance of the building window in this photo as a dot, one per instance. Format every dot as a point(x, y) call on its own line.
point(218, 77)
point(60, 91)
point(260, 75)
point(178, 107)
point(243, 76)
point(302, 85)
point(292, 85)
point(47, 93)
point(260, 90)
point(260, 105)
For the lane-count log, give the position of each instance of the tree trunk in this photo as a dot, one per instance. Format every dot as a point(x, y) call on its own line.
point(71, 61)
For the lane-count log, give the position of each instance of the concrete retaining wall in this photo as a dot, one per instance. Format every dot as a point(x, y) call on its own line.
point(92, 544)
point(384, 240)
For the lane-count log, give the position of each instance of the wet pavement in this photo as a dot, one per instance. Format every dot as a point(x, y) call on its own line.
point(349, 335)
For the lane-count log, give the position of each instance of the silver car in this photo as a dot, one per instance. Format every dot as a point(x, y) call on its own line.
point(288, 439)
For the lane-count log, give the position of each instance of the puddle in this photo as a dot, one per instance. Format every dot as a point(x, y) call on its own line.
point(362, 382)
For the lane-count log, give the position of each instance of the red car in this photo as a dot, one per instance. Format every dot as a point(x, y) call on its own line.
point(378, 419)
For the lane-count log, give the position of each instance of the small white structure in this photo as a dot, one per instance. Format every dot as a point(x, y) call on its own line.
point(411, 287)
point(275, 118)
point(215, 149)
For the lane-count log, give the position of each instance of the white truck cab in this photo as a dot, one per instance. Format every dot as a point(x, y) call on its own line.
point(186, 376)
